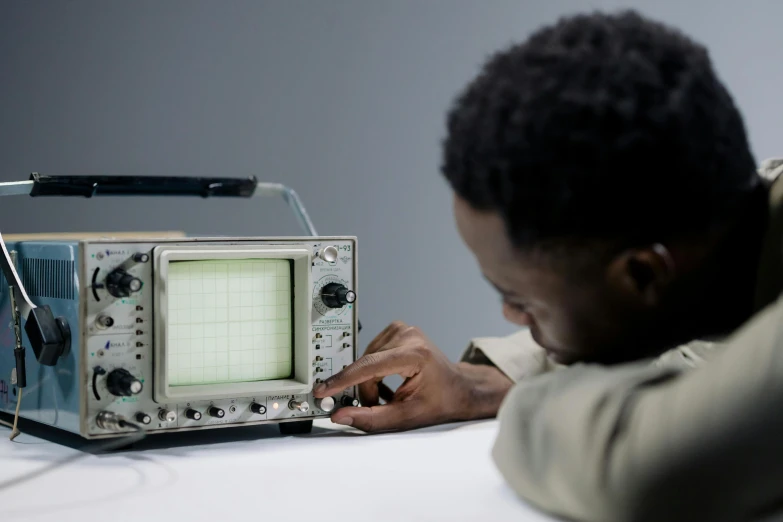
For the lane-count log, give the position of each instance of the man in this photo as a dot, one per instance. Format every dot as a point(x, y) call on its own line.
point(603, 180)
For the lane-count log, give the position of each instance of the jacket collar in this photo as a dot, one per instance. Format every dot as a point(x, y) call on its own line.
point(769, 280)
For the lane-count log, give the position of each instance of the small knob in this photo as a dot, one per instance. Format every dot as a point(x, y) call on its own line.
point(141, 257)
point(328, 254)
point(122, 383)
point(335, 295)
point(121, 284)
point(349, 401)
point(193, 414)
point(143, 418)
point(326, 404)
point(214, 411)
point(258, 409)
point(167, 415)
point(302, 406)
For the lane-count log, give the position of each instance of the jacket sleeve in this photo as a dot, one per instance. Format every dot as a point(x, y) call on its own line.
point(516, 355)
point(644, 442)
point(519, 357)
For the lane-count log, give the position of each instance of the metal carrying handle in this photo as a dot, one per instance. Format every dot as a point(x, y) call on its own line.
point(41, 325)
point(89, 186)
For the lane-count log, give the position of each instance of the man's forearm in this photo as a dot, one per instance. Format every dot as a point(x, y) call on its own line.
point(636, 442)
point(486, 387)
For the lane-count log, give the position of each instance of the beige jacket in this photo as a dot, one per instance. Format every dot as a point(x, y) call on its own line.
point(695, 436)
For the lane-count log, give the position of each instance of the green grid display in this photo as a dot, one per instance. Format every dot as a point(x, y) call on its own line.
point(229, 321)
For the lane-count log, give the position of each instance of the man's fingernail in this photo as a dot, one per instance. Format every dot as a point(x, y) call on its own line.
point(320, 388)
point(345, 421)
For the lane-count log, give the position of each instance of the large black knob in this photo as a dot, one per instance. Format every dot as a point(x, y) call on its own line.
point(121, 284)
point(335, 295)
point(122, 383)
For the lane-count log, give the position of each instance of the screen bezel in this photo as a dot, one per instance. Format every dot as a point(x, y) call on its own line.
point(302, 379)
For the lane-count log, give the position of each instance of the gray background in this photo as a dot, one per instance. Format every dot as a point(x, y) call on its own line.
point(342, 100)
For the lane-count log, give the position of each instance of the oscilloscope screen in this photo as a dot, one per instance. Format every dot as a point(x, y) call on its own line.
point(229, 321)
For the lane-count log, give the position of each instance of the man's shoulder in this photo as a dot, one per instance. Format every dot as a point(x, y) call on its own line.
point(688, 356)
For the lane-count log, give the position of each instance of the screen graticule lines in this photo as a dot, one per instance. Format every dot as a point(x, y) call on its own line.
point(229, 321)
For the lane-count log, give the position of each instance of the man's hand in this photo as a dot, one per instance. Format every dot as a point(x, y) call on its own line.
point(435, 390)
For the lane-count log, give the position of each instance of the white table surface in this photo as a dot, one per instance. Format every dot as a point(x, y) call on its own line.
point(443, 473)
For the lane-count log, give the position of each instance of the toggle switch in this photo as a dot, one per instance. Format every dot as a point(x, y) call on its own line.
point(299, 405)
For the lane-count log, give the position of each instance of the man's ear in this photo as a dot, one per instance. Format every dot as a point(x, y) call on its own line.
point(644, 273)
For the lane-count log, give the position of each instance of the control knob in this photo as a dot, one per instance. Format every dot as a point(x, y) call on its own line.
point(167, 415)
point(120, 283)
point(349, 401)
point(258, 409)
point(143, 418)
point(335, 295)
point(214, 411)
point(326, 404)
point(193, 414)
point(122, 383)
point(328, 254)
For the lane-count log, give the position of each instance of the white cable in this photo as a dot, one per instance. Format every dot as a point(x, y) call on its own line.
point(14, 430)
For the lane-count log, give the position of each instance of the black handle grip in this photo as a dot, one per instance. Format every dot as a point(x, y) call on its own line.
point(21, 369)
point(89, 186)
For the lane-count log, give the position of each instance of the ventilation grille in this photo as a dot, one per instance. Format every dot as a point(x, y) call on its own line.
point(51, 278)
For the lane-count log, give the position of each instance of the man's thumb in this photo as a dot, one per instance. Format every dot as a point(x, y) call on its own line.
point(386, 417)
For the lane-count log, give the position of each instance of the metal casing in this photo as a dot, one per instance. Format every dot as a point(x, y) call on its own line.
point(62, 274)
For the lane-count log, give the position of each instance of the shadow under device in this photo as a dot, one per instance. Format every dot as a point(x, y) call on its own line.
point(170, 333)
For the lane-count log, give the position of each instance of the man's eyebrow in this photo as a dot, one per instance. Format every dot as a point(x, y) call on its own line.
point(502, 291)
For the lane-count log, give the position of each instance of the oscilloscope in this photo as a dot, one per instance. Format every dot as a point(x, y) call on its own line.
point(174, 333)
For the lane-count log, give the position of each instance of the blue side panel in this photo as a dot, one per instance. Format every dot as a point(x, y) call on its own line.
point(50, 273)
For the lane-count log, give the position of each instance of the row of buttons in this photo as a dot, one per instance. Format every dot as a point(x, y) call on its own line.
point(193, 414)
point(326, 404)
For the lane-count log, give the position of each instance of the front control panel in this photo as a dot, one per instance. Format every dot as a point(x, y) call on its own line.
point(119, 357)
